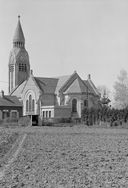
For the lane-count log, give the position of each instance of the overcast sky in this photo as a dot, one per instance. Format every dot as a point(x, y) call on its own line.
point(89, 36)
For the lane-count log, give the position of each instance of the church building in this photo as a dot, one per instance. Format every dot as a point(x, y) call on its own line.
point(42, 97)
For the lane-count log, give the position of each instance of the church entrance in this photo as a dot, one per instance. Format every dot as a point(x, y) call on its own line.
point(74, 106)
point(34, 120)
point(74, 113)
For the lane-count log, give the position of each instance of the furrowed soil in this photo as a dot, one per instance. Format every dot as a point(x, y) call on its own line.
point(7, 139)
point(70, 157)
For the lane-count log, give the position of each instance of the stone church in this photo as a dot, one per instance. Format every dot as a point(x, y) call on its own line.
point(42, 97)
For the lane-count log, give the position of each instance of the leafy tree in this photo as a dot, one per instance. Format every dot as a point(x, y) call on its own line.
point(113, 117)
point(121, 90)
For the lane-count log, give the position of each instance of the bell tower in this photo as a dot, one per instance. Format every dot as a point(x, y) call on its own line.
point(19, 66)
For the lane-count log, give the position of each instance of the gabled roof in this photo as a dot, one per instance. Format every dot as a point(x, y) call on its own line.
point(8, 100)
point(61, 81)
point(18, 90)
point(77, 87)
point(51, 85)
point(74, 84)
point(70, 79)
point(47, 85)
point(67, 84)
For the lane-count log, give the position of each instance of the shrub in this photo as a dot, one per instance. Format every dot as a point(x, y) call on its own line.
point(64, 120)
point(1, 121)
point(47, 122)
point(10, 120)
point(55, 121)
point(24, 121)
point(113, 116)
point(115, 123)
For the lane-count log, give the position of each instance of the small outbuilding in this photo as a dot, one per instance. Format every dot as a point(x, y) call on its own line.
point(10, 106)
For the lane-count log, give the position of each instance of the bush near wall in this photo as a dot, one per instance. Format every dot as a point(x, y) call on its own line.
point(24, 121)
point(8, 122)
point(113, 117)
point(56, 121)
point(1, 121)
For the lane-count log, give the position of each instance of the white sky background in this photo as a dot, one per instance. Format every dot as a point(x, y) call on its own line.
point(89, 36)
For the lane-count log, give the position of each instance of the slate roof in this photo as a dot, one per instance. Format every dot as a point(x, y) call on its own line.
point(77, 87)
point(47, 85)
point(91, 87)
point(53, 85)
point(61, 81)
point(18, 90)
point(8, 100)
point(18, 36)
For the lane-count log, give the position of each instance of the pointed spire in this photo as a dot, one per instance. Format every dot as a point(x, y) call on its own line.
point(19, 36)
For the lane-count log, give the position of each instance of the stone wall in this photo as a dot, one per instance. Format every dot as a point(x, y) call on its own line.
point(62, 112)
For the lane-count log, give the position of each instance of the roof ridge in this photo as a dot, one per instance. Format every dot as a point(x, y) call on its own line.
point(63, 76)
point(44, 77)
point(74, 73)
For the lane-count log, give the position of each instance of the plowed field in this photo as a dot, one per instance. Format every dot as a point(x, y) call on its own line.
point(75, 157)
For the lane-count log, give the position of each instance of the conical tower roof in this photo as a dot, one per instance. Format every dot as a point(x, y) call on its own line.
point(19, 36)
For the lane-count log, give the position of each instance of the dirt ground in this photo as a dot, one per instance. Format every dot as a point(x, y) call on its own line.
point(70, 157)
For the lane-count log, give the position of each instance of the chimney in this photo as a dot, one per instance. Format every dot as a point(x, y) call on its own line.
point(2, 94)
point(89, 76)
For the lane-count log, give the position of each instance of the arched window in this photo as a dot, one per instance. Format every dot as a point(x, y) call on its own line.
point(85, 103)
point(74, 105)
point(30, 103)
point(26, 105)
point(33, 105)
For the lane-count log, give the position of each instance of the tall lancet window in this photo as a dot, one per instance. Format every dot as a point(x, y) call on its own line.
point(26, 105)
point(30, 103)
point(33, 105)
